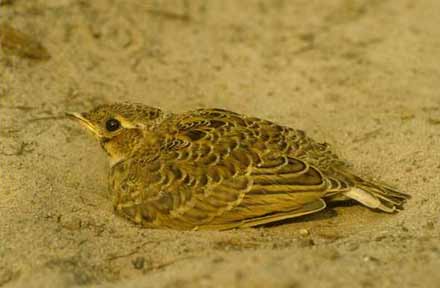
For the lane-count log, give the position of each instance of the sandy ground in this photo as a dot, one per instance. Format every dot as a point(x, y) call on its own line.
point(363, 75)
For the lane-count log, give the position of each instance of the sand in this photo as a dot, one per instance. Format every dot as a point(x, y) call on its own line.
point(361, 75)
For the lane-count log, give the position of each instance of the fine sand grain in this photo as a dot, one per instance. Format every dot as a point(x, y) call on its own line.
point(363, 75)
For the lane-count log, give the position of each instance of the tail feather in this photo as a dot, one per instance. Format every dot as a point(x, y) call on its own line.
point(374, 194)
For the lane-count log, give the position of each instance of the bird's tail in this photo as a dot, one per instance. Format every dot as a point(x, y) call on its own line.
point(374, 194)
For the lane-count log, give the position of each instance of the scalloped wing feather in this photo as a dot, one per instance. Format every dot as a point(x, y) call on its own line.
point(221, 179)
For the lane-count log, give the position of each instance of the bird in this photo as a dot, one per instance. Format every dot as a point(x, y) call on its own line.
point(214, 169)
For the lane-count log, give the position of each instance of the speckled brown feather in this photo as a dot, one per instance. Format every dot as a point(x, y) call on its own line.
point(216, 169)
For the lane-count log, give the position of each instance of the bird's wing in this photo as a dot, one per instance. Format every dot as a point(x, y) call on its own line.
point(214, 171)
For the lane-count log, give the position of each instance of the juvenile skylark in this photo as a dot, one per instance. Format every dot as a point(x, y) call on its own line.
point(216, 169)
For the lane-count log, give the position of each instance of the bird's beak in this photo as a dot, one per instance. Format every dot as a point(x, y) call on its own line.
point(81, 118)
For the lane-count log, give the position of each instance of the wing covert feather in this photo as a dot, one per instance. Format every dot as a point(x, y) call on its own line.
point(218, 168)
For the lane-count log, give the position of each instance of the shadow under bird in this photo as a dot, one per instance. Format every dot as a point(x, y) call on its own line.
point(216, 169)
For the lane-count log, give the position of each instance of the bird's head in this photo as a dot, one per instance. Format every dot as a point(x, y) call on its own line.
point(120, 128)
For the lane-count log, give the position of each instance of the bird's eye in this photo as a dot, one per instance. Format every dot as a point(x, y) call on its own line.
point(112, 125)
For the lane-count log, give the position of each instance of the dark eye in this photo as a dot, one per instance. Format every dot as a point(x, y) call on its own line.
point(112, 125)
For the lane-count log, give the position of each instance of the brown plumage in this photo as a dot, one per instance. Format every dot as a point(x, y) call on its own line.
point(216, 169)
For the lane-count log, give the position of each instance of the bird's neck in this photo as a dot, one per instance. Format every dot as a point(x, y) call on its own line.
point(125, 144)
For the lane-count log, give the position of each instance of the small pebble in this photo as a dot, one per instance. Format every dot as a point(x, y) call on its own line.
point(352, 246)
point(138, 263)
point(371, 259)
point(380, 237)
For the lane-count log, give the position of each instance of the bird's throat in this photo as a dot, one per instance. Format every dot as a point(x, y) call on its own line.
point(125, 144)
